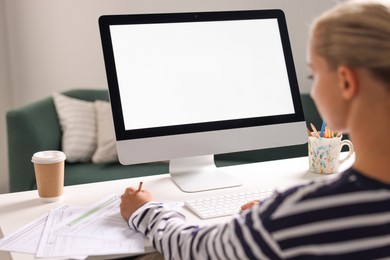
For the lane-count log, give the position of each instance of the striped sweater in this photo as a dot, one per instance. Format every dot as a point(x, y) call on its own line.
point(347, 217)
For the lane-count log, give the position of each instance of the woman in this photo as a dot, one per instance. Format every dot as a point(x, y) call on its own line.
point(346, 217)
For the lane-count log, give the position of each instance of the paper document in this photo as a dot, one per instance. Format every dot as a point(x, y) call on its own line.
point(26, 238)
point(77, 232)
point(97, 230)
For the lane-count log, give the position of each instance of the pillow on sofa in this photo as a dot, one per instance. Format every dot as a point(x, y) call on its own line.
point(106, 142)
point(78, 124)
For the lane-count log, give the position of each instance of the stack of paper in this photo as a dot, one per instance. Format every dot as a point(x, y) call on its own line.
point(75, 232)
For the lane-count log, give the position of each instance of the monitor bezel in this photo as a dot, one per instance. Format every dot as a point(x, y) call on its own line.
point(122, 134)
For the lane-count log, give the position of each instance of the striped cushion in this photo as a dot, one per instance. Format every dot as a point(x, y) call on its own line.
point(78, 123)
point(106, 142)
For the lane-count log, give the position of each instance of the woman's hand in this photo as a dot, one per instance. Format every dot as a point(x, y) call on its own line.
point(249, 204)
point(132, 199)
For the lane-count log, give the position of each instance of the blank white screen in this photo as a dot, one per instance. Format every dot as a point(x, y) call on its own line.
point(182, 73)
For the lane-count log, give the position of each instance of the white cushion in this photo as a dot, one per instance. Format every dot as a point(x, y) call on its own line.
point(78, 123)
point(106, 143)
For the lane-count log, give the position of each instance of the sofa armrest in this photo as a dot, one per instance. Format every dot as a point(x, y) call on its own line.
point(30, 129)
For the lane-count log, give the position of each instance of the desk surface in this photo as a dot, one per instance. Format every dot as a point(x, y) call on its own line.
point(18, 209)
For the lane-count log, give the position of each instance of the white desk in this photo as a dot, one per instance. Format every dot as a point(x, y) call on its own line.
point(17, 209)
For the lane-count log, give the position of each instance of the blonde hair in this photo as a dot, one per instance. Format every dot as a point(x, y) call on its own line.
point(356, 34)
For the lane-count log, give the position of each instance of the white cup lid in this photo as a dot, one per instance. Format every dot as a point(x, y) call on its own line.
point(48, 157)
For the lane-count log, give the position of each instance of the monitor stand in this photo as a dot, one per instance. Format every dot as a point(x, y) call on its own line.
point(195, 174)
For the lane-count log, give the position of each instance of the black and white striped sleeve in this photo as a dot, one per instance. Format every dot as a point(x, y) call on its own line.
point(176, 239)
point(345, 217)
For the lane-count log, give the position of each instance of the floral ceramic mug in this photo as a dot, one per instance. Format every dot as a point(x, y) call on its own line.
point(324, 154)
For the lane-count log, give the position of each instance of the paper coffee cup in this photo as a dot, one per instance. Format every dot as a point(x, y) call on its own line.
point(49, 173)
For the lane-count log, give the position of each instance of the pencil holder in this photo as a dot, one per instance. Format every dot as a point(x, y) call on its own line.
point(324, 154)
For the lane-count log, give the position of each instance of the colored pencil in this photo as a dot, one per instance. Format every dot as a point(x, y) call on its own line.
point(315, 132)
point(322, 129)
point(308, 132)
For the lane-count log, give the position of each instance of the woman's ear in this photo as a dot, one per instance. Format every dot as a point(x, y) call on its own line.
point(347, 81)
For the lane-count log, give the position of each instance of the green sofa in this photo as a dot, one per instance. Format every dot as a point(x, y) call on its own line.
point(35, 127)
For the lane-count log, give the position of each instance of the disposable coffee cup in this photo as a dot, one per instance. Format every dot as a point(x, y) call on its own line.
point(49, 174)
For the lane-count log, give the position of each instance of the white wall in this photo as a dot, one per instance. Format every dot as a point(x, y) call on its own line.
point(5, 103)
point(54, 45)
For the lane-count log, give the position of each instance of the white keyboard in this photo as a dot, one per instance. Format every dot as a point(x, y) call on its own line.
point(224, 205)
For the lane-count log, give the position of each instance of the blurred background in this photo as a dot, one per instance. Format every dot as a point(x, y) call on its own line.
point(48, 46)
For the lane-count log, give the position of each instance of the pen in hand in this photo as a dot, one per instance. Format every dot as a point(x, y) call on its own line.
point(140, 186)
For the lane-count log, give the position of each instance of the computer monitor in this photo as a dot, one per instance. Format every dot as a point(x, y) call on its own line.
point(186, 86)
